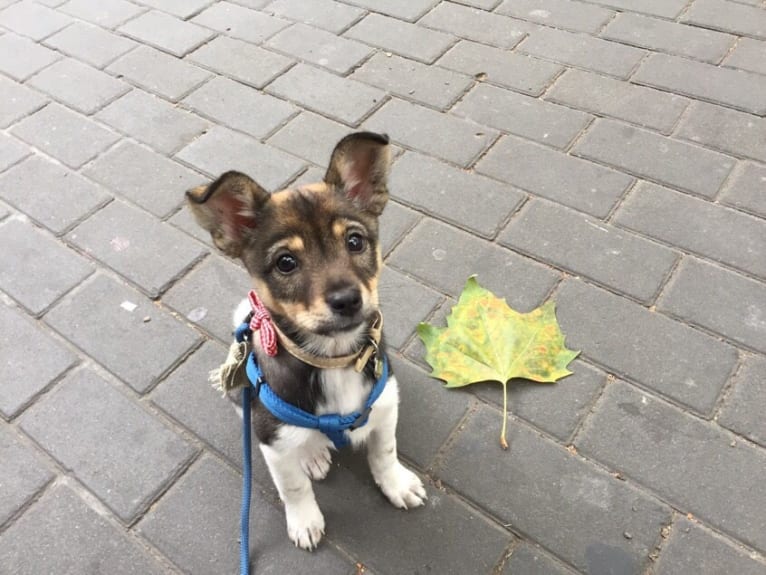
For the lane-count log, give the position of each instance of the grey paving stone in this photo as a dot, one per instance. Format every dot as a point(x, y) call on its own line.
point(395, 222)
point(580, 511)
point(50, 269)
point(584, 246)
point(187, 396)
point(310, 137)
point(748, 55)
point(726, 86)
point(220, 150)
point(734, 132)
point(240, 107)
point(32, 19)
point(529, 560)
point(22, 475)
point(412, 80)
point(727, 16)
point(729, 304)
point(20, 57)
point(184, 220)
point(665, 36)
point(18, 100)
point(522, 115)
point(22, 379)
point(699, 226)
point(240, 22)
point(664, 8)
point(165, 32)
point(144, 177)
point(474, 544)
point(401, 38)
point(659, 446)
point(347, 100)
point(312, 175)
point(209, 294)
point(216, 511)
point(125, 472)
point(558, 13)
point(483, 4)
point(448, 137)
point(404, 302)
point(61, 534)
point(445, 257)
point(78, 85)
point(28, 186)
point(94, 319)
point(326, 14)
point(467, 200)
point(416, 351)
point(241, 60)
point(11, 151)
point(106, 13)
point(478, 25)
point(65, 135)
point(91, 44)
point(631, 341)
point(741, 411)
point(551, 174)
point(609, 97)
point(694, 549)
point(153, 121)
point(319, 47)
point(159, 72)
point(427, 412)
point(508, 69)
point(555, 408)
point(181, 8)
point(655, 157)
point(745, 190)
point(136, 245)
point(409, 10)
point(583, 51)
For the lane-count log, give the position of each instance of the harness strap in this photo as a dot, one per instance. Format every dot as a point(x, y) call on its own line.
point(333, 425)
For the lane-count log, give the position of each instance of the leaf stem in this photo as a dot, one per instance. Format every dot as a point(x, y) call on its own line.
point(503, 442)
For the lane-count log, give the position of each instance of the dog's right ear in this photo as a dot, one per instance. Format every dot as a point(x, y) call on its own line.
point(228, 209)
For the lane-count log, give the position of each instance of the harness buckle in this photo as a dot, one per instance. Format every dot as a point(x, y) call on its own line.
point(361, 420)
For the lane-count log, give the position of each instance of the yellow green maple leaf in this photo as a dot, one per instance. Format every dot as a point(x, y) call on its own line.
point(486, 340)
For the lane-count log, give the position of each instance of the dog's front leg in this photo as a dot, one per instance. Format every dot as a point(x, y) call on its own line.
point(305, 523)
point(402, 487)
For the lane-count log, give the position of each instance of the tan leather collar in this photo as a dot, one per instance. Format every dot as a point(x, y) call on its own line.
point(359, 358)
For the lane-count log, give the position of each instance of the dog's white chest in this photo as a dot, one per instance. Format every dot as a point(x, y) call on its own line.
point(344, 391)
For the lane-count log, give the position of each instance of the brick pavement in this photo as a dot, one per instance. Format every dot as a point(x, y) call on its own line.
point(610, 154)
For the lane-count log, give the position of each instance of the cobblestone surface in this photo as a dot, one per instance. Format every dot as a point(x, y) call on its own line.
point(610, 154)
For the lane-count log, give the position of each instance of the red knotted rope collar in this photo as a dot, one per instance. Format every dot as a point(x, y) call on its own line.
point(261, 322)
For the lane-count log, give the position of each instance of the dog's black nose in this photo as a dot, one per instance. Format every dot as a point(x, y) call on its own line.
point(346, 301)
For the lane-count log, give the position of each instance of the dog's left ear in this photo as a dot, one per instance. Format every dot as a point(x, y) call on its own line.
point(359, 169)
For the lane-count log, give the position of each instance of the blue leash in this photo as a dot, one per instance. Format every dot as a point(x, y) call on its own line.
point(333, 425)
point(247, 472)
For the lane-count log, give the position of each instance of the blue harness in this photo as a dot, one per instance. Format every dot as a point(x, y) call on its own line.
point(333, 425)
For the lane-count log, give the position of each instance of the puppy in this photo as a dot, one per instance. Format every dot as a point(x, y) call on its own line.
point(314, 256)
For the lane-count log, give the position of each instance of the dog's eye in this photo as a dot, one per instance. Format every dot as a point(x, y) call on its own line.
point(355, 242)
point(286, 263)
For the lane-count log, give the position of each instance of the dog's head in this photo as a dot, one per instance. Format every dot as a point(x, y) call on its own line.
point(312, 251)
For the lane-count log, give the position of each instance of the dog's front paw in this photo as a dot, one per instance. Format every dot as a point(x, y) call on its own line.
point(305, 525)
point(316, 464)
point(402, 487)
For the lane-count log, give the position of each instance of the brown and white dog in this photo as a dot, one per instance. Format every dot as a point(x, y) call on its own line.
point(314, 257)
